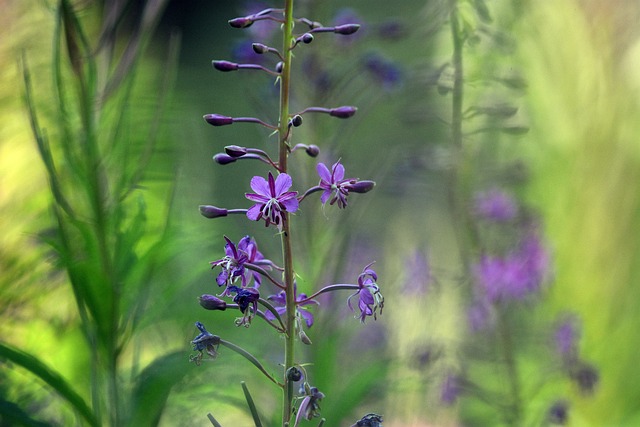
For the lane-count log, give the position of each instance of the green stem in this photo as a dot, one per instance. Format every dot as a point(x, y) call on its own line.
point(514, 416)
point(283, 133)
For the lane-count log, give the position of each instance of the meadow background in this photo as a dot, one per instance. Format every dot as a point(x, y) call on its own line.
point(577, 168)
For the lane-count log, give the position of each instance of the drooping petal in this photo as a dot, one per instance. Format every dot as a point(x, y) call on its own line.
point(307, 316)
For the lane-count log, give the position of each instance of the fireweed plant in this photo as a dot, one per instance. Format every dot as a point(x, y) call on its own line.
point(504, 259)
point(246, 279)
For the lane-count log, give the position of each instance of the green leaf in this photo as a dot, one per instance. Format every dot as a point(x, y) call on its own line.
point(13, 414)
point(52, 378)
point(153, 386)
point(483, 11)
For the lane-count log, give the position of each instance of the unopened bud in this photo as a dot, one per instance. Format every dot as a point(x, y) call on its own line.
point(343, 112)
point(224, 65)
point(279, 67)
point(312, 150)
point(218, 119)
point(235, 151)
point(223, 159)
point(242, 22)
point(361, 186)
point(259, 48)
point(346, 29)
point(211, 302)
point(307, 38)
point(296, 120)
point(294, 374)
point(209, 211)
point(304, 338)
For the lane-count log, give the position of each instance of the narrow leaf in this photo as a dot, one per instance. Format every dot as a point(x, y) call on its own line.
point(53, 378)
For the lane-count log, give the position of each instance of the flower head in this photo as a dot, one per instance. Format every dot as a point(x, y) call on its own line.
point(310, 406)
point(272, 199)
point(281, 300)
point(235, 261)
point(368, 294)
point(247, 300)
point(335, 187)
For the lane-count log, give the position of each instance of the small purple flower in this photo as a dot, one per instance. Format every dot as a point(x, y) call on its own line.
point(566, 337)
point(234, 263)
point(495, 205)
point(383, 71)
point(204, 342)
point(336, 188)
point(272, 199)
point(245, 298)
point(281, 299)
point(450, 389)
point(368, 294)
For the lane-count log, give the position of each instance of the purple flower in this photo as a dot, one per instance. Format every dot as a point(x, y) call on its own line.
point(245, 298)
point(368, 294)
point(310, 405)
point(204, 342)
point(336, 188)
point(495, 205)
point(235, 261)
point(281, 299)
point(514, 275)
point(566, 336)
point(383, 71)
point(272, 199)
point(450, 389)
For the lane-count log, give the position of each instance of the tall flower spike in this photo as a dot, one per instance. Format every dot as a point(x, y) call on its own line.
point(272, 199)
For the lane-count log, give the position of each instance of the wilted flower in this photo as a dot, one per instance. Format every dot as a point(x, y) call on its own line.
point(205, 341)
point(369, 420)
point(281, 299)
point(247, 300)
point(368, 294)
point(310, 406)
point(273, 199)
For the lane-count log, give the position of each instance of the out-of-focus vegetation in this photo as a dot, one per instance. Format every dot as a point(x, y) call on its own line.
point(577, 166)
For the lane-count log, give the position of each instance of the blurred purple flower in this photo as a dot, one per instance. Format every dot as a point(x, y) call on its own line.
point(495, 205)
point(450, 390)
point(368, 294)
point(281, 300)
point(479, 315)
point(566, 337)
point(272, 199)
point(419, 274)
point(385, 72)
point(515, 275)
point(235, 260)
point(558, 412)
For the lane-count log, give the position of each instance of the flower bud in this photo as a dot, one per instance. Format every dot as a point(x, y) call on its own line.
point(235, 151)
point(209, 211)
point(259, 48)
point(223, 159)
point(304, 338)
point(307, 38)
point(343, 112)
point(211, 302)
point(218, 119)
point(294, 374)
point(312, 150)
point(224, 65)
point(242, 22)
point(279, 67)
point(296, 120)
point(346, 29)
point(361, 186)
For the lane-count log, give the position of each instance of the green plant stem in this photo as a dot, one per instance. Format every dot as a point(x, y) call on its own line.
point(283, 134)
point(514, 415)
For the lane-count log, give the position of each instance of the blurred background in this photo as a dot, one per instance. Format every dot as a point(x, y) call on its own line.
point(552, 117)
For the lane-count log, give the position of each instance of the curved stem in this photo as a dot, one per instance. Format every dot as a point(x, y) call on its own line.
point(330, 288)
point(244, 353)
